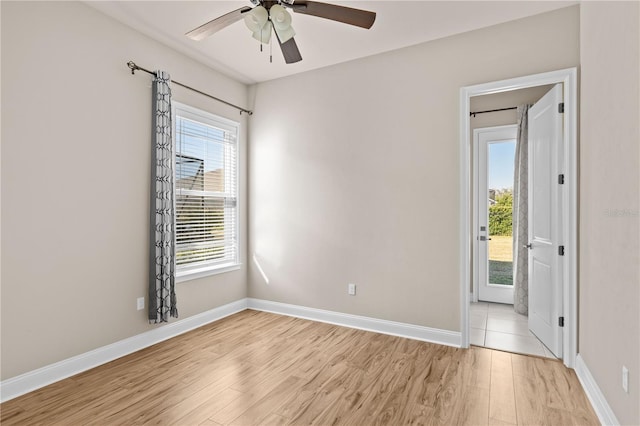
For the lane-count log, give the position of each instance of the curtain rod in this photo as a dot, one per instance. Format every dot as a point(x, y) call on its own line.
point(473, 114)
point(133, 67)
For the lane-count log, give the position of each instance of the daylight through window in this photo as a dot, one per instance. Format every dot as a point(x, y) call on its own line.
point(206, 191)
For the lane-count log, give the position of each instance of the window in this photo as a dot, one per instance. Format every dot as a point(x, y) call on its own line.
point(206, 182)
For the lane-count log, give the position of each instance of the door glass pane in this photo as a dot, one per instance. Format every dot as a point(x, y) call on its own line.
point(500, 176)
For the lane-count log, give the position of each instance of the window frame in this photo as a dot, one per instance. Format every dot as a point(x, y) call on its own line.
point(227, 125)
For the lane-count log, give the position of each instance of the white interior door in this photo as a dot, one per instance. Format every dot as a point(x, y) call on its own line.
point(545, 275)
point(493, 260)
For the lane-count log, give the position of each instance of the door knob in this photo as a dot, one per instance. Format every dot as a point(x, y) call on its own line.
point(529, 246)
point(483, 238)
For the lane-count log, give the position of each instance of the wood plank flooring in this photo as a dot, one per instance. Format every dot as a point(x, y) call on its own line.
point(255, 368)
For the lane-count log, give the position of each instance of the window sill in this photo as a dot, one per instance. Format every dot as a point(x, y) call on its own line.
point(206, 271)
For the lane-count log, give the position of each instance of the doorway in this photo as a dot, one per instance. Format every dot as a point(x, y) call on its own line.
point(494, 320)
point(566, 199)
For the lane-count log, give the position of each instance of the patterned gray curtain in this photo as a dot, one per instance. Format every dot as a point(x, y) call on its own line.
point(162, 296)
point(520, 215)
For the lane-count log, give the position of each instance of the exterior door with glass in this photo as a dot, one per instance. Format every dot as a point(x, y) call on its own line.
point(494, 153)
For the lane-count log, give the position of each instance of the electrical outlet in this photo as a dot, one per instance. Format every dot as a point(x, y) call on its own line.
point(140, 303)
point(351, 289)
point(625, 379)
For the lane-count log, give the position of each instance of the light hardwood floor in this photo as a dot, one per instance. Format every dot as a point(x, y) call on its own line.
point(258, 368)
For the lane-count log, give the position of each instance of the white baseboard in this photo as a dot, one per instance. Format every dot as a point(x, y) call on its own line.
point(36, 379)
point(598, 401)
point(32, 380)
point(416, 332)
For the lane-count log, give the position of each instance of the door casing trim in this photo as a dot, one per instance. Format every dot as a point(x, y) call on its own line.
point(568, 77)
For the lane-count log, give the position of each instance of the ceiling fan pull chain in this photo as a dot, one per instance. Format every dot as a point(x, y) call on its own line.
point(271, 49)
point(262, 36)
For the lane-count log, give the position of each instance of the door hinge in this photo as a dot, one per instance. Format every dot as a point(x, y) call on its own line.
point(561, 179)
point(561, 107)
point(561, 250)
point(561, 321)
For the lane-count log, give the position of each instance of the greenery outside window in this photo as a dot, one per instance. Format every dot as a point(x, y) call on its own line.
point(206, 192)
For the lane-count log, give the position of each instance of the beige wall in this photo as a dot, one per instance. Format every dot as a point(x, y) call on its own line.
point(75, 179)
point(610, 201)
point(361, 184)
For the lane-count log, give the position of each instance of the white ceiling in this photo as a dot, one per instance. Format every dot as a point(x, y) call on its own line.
point(233, 52)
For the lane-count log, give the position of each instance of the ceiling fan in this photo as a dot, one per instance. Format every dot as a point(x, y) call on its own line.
point(271, 15)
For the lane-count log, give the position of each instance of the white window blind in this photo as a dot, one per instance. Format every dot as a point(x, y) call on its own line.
point(206, 191)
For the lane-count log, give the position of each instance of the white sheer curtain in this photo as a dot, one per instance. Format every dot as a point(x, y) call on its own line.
point(520, 216)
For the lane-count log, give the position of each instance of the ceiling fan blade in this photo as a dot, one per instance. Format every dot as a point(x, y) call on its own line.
point(347, 15)
point(290, 50)
point(211, 27)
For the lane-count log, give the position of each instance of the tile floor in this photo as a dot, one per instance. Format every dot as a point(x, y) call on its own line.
point(498, 326)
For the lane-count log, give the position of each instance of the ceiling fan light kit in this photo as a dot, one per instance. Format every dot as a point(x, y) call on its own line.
point(272, 14)
point(260, 21)
point(263, 35)
point(281, 20)
point(256, 18)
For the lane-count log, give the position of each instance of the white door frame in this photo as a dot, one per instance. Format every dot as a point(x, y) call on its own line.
point(570, 196)
point(496, 132)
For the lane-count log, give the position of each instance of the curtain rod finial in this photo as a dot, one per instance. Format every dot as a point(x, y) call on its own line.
point(132, 66)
